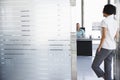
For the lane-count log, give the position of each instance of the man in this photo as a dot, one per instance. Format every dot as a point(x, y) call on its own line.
point(107, 44)
point(80, 31)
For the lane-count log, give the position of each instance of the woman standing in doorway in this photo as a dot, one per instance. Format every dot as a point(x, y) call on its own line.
point(107, 44)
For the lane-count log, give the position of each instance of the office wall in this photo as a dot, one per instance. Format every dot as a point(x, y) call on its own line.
point(93, 14)
point(35, 40)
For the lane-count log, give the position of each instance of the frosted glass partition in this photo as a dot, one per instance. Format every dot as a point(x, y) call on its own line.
point(116, 58)
point(35, 40)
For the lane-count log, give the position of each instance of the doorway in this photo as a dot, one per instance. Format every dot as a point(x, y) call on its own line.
point(90, 19)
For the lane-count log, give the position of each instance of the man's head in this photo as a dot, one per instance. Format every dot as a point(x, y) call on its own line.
point(109, 9)
point(77, 26)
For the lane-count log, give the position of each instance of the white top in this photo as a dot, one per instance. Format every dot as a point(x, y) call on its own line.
point(111, 24)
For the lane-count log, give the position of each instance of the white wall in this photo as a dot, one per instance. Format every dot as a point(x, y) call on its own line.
point(92, 13)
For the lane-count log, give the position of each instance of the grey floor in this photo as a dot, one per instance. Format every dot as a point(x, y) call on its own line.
point(84, 71)
point(84, 68)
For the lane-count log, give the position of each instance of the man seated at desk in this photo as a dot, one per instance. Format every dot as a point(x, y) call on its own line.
point(80, 31)
point(84, 45)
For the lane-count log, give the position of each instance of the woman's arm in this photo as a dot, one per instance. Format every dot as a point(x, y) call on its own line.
point(104, 31)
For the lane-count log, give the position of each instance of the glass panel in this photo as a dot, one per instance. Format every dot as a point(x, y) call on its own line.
point(117, 56)
point(35, 40)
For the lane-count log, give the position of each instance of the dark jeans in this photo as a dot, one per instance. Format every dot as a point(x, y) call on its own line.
point(106, 56)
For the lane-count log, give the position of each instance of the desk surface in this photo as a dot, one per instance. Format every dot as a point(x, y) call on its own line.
point(84, 39)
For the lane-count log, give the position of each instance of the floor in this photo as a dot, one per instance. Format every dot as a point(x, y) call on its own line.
point(84, 67)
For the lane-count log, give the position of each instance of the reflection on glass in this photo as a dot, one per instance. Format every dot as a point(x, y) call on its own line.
point(35, 40)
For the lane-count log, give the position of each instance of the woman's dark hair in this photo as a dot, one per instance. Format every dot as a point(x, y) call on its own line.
point(109, 9)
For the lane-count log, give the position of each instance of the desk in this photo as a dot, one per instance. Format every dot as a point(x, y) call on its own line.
point(84, 47)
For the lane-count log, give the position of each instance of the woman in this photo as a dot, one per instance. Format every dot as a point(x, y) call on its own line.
point(107, 44)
